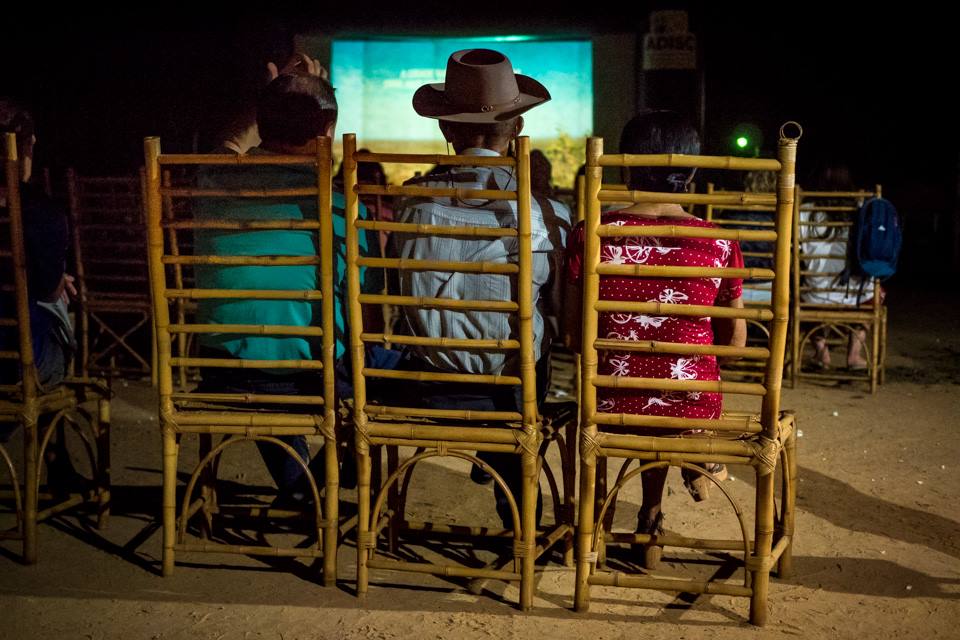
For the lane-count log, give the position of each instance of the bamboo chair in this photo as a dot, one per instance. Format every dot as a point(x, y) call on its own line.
point(760, 440)
point(454, 433)
point(115, 324)
point(240, 417)
point(836, 320)
point(81, 404)
point(757, 293)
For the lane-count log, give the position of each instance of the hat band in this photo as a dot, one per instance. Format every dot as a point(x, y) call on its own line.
point(486, 108)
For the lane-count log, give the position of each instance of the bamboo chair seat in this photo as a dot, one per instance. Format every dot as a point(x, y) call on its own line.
point(82, 404)
point(837, 211)
point(220, 419)
point(449, 432)
point(763, 438)
point(115, 325)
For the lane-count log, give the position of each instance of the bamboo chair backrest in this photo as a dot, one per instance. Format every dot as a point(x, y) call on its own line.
point(17, 353)
point(823, 221)
point(775, 314)
point(520, 273)
point(106, 214)
point(168, 289)
point(757, 217)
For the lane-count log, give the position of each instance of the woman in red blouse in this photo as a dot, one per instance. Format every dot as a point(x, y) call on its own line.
point(660, 132)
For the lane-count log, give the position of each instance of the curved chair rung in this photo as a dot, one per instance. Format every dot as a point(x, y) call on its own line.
point(554, 490)
point(412, 461)
point(17, 499)
point(598, 535)
point(404, 486)
point(623, 470)
point(215, 453)
point(63, 416)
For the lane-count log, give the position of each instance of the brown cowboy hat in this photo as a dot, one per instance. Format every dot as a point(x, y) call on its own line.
point(480, 87)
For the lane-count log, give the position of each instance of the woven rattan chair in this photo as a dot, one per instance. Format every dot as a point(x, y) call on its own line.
point(757, 293)
point(836, 321)
point(762, 440)
point(114, 319)
point(81, 404)
point(454, 433)
point(241, 417)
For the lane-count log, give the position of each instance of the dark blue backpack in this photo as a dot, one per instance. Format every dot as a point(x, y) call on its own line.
point(875, 240)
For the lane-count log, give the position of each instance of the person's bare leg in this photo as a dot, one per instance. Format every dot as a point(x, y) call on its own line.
point(653, 482)
point(856, 349)
point(821, 358)
point(650, 518)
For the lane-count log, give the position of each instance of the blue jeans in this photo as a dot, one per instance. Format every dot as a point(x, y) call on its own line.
point(286, 472)
point(477, 397)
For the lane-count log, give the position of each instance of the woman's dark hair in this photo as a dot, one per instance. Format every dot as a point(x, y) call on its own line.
point(657, 132)
point(295, 109)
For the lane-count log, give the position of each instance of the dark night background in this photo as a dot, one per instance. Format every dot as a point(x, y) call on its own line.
point(870, 87)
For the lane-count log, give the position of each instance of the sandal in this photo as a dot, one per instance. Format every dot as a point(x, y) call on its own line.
point(698, 485)
point(651, 552)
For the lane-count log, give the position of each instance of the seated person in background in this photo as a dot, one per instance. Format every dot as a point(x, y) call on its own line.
point(240, 133)
point(825, 272)
point(541, 174)
point(46, 238)
point(659, 132)
point(293, 111)
point(479, 109)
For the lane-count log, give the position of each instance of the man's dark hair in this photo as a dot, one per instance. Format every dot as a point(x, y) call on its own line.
point(295, 109)
point(14, 118)
point(463, 135)
point(657, 132)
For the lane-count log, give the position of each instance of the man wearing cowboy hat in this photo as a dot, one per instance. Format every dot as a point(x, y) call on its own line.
point(479, 109)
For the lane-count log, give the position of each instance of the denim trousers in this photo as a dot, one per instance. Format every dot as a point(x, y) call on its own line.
point(285, 471)
point(476, 397)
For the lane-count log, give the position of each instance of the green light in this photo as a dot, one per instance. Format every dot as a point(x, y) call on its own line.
point(742, 142)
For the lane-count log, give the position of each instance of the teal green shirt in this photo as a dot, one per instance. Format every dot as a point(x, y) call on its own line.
point(272, 243)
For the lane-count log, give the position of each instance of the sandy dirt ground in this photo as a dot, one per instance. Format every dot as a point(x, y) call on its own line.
point(877, 551)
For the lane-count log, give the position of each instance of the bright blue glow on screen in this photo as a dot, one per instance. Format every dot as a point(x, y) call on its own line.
point(376, 79)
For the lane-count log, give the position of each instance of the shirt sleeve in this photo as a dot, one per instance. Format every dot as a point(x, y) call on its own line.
point(371, 280)
point(732, 288)
point(574, 254)
point(46, 237)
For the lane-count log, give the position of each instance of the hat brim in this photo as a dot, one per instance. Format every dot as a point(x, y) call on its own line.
point(430, 101)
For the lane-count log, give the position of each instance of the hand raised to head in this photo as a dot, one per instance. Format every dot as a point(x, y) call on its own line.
point(300, 64)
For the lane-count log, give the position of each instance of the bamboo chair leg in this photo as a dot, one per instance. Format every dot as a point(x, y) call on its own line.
point(588, 479)
point(331, 509)
point(570, 492)
point(207, 485)
point(600, 496)
point(795, 354)
point(528, 516)
point(363, 518)
point(789, 502)
point(393, 500)
point(31, 472)
point(170, 450)
point(763, 545)
point(883, 345)
point(102, 431)
point(874, 354)
point(154, 373)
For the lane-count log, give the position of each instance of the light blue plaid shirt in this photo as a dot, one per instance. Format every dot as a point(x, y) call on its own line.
point(550, 223)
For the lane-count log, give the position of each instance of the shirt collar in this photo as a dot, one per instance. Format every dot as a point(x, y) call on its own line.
point(477, 151)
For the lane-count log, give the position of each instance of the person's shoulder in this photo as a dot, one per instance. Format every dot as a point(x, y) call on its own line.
point(38, 207)
point(552, 212)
